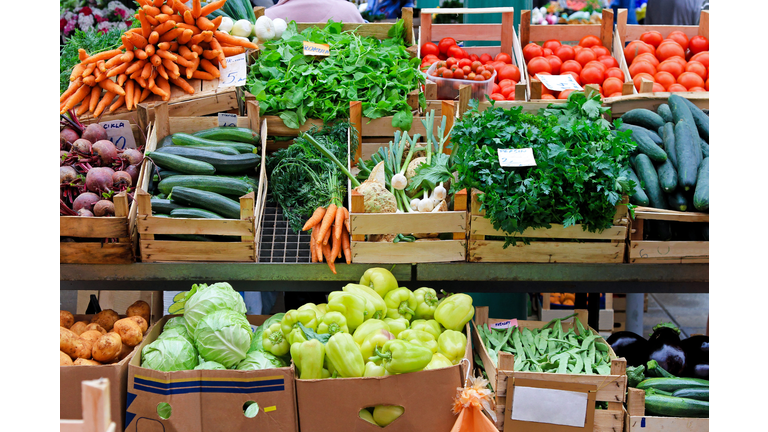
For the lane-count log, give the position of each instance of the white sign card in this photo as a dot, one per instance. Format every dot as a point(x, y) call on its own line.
point(543, 405)
point(235, 72)
point(516, 157)
point(559, 82)
point(120, 133)
point(505, 324)
point(227, 120)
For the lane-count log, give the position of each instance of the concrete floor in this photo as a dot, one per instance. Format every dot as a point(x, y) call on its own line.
point(688, 312)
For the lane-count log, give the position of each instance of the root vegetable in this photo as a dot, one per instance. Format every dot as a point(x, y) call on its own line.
point(86, 201)
point(143, 324)
point(64, 359)
point(67, 136)
point(121, 180)
point(82, 146)
point(129, 331)
point(96, 326)
point(91, 335)
point(133, 171)
point(86, 362)
point(85, 213)
point(106, 151)
point(107, 348)
point(66, 319)
point(95, 132)
point(104, 208)
point(139, 308)
point(133, 156)
point(99, 180)
point(78, 328)
point(105, 319)
point(67, 174)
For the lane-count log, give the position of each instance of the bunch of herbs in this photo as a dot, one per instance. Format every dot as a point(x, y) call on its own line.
point(92, 41)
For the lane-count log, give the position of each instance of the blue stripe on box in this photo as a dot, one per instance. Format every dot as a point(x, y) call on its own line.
point(202, 389)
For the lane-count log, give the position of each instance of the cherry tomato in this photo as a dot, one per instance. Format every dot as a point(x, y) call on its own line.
point(455, 51)
point(504, 57)
point(485, 58)
point(474, 57)
point(446, 43)
point(465, 62)
point(451, 62)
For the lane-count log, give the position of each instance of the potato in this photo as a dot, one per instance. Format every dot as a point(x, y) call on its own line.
point(82, 348)
point(97, 327)
point(124, 351)
point(139, 308)
point(107, 348)
point(143, 324)
point(79, 327)
point(86, 362)
point(106, 319)
point(66, 319)
point(64, 359)
point(129, 331)
point(91, 336)
point(67, 341)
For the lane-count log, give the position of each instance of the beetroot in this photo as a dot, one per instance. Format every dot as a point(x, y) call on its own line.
point(121, 180)
point(106, 151)
point(133, 171)
point(99, 180)
point(66, 137)
point(85, 201)
point(84, 213)
point(104, 208)
point(67, 174)
point(82, 146)
point(95, 132)
point(133, 156)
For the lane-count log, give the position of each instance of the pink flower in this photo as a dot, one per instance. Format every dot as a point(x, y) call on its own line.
point(62, 24)
point(99, 18)
point(86, 11)
point(120, 12)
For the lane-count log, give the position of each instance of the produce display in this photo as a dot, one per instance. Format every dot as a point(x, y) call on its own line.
point(106, 339)
point(674, 64)
point(239, 20)
point(589, 62)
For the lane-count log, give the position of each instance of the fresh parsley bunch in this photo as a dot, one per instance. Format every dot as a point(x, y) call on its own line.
point(581, 173)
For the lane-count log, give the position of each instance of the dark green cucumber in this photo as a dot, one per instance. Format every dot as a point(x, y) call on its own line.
point(163, 206)
point(700, 119)
point(668, 135)
point(646, 146)
point(237, 134)
point(218, 149)
point(667, 176)
point(165, 141)
point(672, 384)
point(671, 406)
point(652, 134)
point(218, 184)
point(688, 152)
point(206, 200)
point(224, 164)
point(194, 213)
point(664, 112)
point(677, 200)
point(704, 148)
point(701, 194)
point(643, 117)
point(179, 163)
point(693, 393)
point(182, 139)
point(682, 112)
point(647, 173)
point(639, 196)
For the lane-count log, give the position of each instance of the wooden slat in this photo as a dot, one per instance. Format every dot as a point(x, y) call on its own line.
point(160, 225)
point(563, 33)
point(165, 251)
point(672, 216)
point(377, 30)
point(194, 124)
point(393, 223)
point(669, 249)
point(102, 227)
point(548, 252)
point(480, 225)
point(469, 32)
point(405, 252)
point(635, 402)
point(95, 253)
point(665, 424)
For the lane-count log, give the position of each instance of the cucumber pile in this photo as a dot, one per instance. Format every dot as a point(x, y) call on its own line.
point(203, 175)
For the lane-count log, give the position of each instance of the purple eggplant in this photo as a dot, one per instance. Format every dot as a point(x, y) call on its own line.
point(696, 350)
point(631, 346)
point(664, 347)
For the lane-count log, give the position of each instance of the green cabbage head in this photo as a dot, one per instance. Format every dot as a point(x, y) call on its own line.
point(257, 360)
point(208, 299)
point(223, 336)
point(172, 353)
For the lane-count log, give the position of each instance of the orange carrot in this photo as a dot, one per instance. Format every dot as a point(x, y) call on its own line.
point(137, 65)
point(345, 246)
point(196, 8)
point(117, 104)
point(164, 46)
point(155, 60)
point(81, 54)
point(185, 52)
point(204, 24)
point(330, 213)
point(147, 71)
point(183, 84)
point(140, 54)
point(144, 94)
point(90, 80)
point(210, 68)
point(76, 97)
point(154, 88)
point(77, 71)
point(338, 223)
point(186, 35)
point(136, 95)
point(100, 76)
point(94, 99)
point(117, 70)
point(171, 34)
point(100, 66)
point(335, 249)
point(152, 21)
point(104, 103)
point(151, 10)
point(128, 45)
point(346, 219)
point(171, 68)
point(181, 61)
point(127, 57)
point(129, 94)
point(329, 257)
point(141, 82)
point(121, 79)
point(163, 18)
point(318, 249)
point(138, 40)
point(224, 37)
point(207, 36)
point(212, 6)
point(73, 86)
point(180, 7)
point(196, 48)
point(316, 217)
point(202, 75)
point(211, 54)
point(188, 17)
point(216, 46)
point(146, 28)
point(153, 37)
point(88, 69)
point(150, 50)
point(164, 27)
point(196, 39)
point(231, 51)
point(157, 3)
point(166, 55)
point(83, 108)
point(167, 9)
point(312, 246)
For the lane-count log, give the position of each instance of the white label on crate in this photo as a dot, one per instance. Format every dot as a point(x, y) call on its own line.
point(559, 82)
point(235, 72)
point(120, 133)
point(505, 324)
point(316, 49)
point(541, 405)
point(516, 157)
point(227, 119)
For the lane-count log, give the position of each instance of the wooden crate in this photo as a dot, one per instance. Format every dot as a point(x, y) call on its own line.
point(570, 34)
point(605, 320)
point(598, 247)
point(666, 252)
point(610, 388)
point(651, 101)
point(120, 230)
point(251, 207)
point(627, 33)
point(637, 421)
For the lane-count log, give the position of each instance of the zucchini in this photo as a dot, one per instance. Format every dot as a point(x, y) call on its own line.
point(693, 393)
point(701, 194)
point(672, 406)
point(646, 146)
point(651, 133)
point(163, 206)
point(668, 135)
point(164, 173)
point(672, 384)
point(194, 213)
point(688, 152)
point(165, 141)
point(677, 201)
point(639, 196)
point(664, 112)
point(667, 176)
point(180, 164)
point(220, 185)
point(700, 119)
point(647, 173)
point(206, 200)
point(219, 149)
point(182, 139)
point(643, 117)
point(237, 134)
point(682, 112)
point(224, 164)
point(704, 148)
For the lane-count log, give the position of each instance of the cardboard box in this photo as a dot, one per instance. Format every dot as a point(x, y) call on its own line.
point(209, 400)
point(332, 405)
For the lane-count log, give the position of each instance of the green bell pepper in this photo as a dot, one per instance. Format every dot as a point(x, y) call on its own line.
point(374, 370)
point(383, 415)
point(452, 344)
point(293, 317)
point(396, 325)
point(355, 308)
point(345, 355)
point(399, 356)
point(323, 308)
point(313, 307)
point(378, 302)
point(367, 416)
point(455, 311)
point(426, 303)
point(375, 339)
point(430, 326)
point(273, 340)
point(332, 322)
point(366, 328)
point(325, 373)
point(439, 361)
point(380, 279)
point(296, 336)
point(308, 357)
point(420, 338)
point(400, 303)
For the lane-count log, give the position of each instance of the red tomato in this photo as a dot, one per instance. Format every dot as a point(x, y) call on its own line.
point(614, 72)
point(455, 51)
point(589, 40)
point(552, 44)
point(664, 78)
point(497, 97)
point(571, 65)
point(480, 77)
point(511, 96)
point(475, 65)
point(677, 88)
point(429, 48)
point(690, 80)
point(471, 76)
point(547, 52)
point(487, 74)
point(669, 49)
point(697, 89)
point(642, 66)
point(451, 62)
point(597, 64)
point(507, 82)
point(485, 58)
point(636, 48)
point(680, 38)
point(547, 96)
point(498, 65)
point(565, 52)
point(474, 57)
point(638, 79)
point(532, 50)
point(652, 38)
point(480, 70)
point(508, 90)
point(447, 74)
point(650, 58)
point(509, 72)
point(564, 94)
point(539, 64)
point(600, 50)
point(555, 62)
point(697, 68)
point(702, 57)
point(617, 94)
point(672, 67)
point(574, 75)
point(698, 44)
point(465, 62)
point(612, 85)
point(608, 61)
point(458, 73)
point(496, 88)
point(504, 57)
point(658, 88)
point(467, 70)
point(430, 57)
point(445, 43)
point(592, 75)
point(585, 56)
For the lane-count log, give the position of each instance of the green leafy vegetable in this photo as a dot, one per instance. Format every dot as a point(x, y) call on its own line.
point(92, 41)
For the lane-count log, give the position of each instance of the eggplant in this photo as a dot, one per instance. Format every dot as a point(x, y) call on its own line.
point(664, 347)
point(631, 346)
point(696, 350)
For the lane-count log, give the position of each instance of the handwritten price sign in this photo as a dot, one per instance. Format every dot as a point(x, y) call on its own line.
point(227, 120)
point(559, 82)
point(316, 49)
point(120, 133)
point(235, 72)
point(516, 157)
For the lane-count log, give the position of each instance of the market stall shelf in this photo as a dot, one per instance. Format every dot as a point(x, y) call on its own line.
point(656, 251)
point(637, 421)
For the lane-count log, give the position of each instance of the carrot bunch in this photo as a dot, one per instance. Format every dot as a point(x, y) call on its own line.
point(174, 44)
point(330, 235)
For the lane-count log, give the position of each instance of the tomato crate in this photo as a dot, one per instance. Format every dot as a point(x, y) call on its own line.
point(504, 34)
point(609, 388)
point(153, 249)
point(637, 421)
point(642, 250)
point(549, 245)
point(102, 240)
point(570, 35)
point(626, 33)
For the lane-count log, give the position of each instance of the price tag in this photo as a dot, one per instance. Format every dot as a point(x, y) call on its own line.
point(505, 324)
point(559, 82)
point(235, 72)
point(120, 133)
point(544, 405)
point(516, 157)
point(315, 49)
point(227, 120)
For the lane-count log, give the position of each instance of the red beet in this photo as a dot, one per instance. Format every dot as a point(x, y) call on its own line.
point(82, 146)
point(84, 213)
point(106, 151)
point(133, 156)
point(99, 180)
point(94, 132)
point(66, 137)
point(67, 174)
point(121, 180)
point(104, 208)
point(86, 201)
point(133, 171)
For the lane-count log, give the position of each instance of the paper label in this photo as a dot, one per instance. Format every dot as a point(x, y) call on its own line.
point(235, 72)
point(120, 133)
point(559, 82)
point(505, 324)
point(542, 405)
point(516, 157)
point(315, 49)
point(227, 120)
